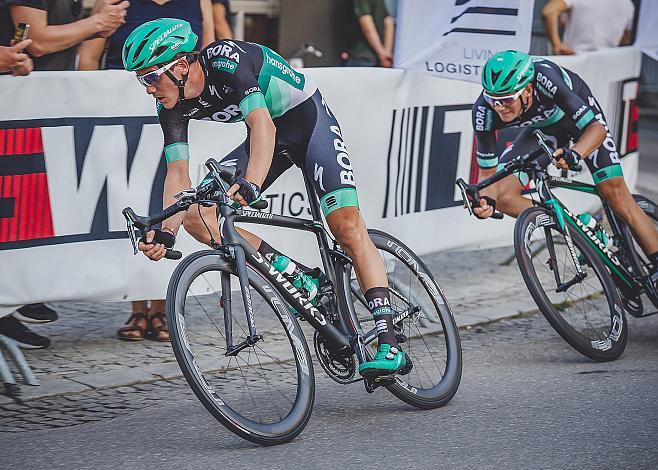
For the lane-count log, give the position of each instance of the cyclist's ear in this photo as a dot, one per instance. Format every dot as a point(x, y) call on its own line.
point(527, 90)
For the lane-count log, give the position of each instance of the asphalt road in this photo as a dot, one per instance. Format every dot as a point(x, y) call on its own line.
point(526, 401)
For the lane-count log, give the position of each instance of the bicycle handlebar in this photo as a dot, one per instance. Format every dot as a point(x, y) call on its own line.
point(223, 178)
point(471, 192)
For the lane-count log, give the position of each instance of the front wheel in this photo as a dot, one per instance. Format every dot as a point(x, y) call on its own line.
point(263, 393)
point(589, 314)
point(428, 336)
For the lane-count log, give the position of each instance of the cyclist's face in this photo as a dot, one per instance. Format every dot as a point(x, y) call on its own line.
point(163, 88)
point(508, 111)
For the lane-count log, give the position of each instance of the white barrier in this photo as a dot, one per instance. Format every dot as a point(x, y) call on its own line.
point(409, 137)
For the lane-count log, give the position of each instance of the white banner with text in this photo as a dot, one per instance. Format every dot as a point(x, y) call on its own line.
point(453, 39)
point(78, 147)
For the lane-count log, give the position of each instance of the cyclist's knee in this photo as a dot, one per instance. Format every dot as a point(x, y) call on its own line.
point(619, 198)
point(348, 227)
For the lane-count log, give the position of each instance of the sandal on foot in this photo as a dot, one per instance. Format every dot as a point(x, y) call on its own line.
point(133, 324)
point(155, 331)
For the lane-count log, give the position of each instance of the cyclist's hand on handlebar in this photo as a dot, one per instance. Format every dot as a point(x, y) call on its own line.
point(155, 243)
point(566, 158)
point(485, 210)
point(244, 192)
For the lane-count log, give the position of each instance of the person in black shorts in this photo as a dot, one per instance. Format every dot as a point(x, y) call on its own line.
point(232, 81)
point(520, 91)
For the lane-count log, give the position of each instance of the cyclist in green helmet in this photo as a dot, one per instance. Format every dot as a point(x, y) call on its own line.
point(521, 91)
point(232, 81)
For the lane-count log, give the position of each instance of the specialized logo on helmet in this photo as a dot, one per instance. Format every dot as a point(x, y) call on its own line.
point(162, 37)
point(523, 70)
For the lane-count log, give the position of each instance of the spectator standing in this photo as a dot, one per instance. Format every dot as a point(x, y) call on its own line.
point(590, 24)
point(221, 10)
point(56, 27)
point(372, 41)
point(198, 13)
point(147, 319)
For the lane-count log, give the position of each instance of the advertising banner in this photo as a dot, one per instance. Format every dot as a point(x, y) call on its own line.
point(453, 39)
point(78, 147)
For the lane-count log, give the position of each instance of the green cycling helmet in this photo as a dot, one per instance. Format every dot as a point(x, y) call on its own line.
point(157, 42)
point(507, 72)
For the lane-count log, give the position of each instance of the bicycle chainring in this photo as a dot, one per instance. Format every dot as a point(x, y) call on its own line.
point(340, 369)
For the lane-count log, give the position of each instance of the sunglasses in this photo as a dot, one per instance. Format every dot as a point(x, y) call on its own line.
point(151, 78)
point(502, 100)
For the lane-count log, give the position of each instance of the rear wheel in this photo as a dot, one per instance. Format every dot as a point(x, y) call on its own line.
point(589, 315)
point(265, 392)
point(428, 336)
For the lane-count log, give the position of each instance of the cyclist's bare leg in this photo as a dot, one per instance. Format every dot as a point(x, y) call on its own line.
point(194, 225)
point(616, 194)
point(507, 193)
point(350, 230)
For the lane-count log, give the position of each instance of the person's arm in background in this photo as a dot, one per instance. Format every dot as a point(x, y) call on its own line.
point(389, 34)
point(48, 39)
point(627, 37)
point(222, 27)
point(14, 60)
point(208, 34)
point(367, 24)
point(90, 53)
point(550, 15)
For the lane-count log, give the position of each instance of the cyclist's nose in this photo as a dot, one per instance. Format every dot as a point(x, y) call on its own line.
point(150, 90)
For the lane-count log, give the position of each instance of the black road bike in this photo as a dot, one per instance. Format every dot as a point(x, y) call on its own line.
point(580, 284)
point(247, 359)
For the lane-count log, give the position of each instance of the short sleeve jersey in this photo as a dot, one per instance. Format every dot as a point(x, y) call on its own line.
point(240, 77)
point(560, 98)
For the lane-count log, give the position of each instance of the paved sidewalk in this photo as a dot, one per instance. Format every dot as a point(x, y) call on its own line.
point(85, 354)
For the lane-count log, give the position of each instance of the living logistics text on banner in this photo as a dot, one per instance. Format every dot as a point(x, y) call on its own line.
point(453, 39)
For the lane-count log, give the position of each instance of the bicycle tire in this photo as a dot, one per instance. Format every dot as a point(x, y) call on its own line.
point(599, 349)
point(440, 328)
point(290, 425)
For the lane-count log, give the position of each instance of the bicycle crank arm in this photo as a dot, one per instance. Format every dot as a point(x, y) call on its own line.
point(247, 343)
point(576, 279)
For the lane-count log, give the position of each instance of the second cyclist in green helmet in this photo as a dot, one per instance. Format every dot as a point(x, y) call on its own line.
point(525, 92)
point(236, 81)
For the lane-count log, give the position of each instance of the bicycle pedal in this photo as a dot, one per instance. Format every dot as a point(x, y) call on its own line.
point(380, 381)
point(384, 380)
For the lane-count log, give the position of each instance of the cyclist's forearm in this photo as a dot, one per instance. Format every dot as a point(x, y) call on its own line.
point(591, 139)
point(483, 175)
point(173, 184)
point(261, 147)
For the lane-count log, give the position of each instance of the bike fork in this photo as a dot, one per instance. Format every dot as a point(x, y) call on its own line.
point(237, 253)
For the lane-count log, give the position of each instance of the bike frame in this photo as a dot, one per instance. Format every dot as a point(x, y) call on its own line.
point(622, 275)
point(346, 338)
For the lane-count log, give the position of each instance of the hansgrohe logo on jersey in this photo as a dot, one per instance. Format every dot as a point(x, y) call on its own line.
point(285, 69)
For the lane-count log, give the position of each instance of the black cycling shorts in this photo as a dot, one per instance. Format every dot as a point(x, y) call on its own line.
point(311, 135)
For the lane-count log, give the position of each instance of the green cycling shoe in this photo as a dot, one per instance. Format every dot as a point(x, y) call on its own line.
point(388, 361)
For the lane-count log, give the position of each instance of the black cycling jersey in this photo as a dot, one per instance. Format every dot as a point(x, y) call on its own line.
point(563, 106)
point(242, 76)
